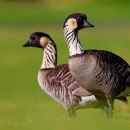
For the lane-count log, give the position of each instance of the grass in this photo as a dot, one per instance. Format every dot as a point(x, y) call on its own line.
point(23, 105)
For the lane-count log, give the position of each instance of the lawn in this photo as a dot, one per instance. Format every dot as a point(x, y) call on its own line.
point(23, 105)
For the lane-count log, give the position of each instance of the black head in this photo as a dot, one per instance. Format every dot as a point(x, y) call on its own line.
point(77, 21)
point(38, 39)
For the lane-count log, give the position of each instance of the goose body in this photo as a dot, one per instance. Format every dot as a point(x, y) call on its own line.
point(104, 69)
point(59, 84)
point(100, 72)
point(57, 81)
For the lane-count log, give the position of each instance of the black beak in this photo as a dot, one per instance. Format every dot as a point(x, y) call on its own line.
point(87, 24)
point(29, 43)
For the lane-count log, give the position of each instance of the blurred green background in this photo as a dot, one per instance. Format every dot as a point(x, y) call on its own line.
point(23, 105)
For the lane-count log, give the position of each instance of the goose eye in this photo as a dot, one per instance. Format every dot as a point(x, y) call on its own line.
point(78, 19)
point(36, 37)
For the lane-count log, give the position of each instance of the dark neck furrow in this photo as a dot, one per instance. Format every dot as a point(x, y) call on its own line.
point(72, 40)
point(50, 56)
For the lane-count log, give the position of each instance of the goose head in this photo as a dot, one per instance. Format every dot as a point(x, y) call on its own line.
point(39, 40)
point(77, 21)
point(44, 41)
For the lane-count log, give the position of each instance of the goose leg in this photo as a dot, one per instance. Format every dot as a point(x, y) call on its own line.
point(111, 107)
point(105, 111)
point(71, 111)
point(72, 114)
point(105, 108)
point(105, 105)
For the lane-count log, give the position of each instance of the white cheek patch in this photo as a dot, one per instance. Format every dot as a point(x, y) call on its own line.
point(43, 41)
point(72, 23)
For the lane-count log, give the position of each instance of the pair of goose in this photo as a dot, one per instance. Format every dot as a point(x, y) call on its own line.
point(92, 79)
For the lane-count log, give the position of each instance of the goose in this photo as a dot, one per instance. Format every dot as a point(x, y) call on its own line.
point(57, 81)
point(101, 72)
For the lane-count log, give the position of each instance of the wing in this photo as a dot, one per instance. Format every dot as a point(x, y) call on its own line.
point(107, 57)
point(61, 77)
point(110, 69)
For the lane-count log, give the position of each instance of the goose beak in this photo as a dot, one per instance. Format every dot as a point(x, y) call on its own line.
point(29, 43)
point(87, 24)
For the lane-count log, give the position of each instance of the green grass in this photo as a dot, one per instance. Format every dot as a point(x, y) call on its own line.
point(23, 105)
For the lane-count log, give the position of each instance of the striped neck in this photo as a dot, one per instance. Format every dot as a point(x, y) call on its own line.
point(71, 37)
point(50, 56)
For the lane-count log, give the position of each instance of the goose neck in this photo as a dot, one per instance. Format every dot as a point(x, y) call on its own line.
point(49, 56)
point(72, 41)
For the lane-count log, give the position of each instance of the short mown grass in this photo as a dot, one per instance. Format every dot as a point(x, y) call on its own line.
point(23, 105)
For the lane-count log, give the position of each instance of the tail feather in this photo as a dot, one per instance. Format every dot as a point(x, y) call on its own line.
point(123, 99)
point(128, 82)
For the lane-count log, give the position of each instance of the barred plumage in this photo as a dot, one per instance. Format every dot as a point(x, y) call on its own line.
point(100, 72)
